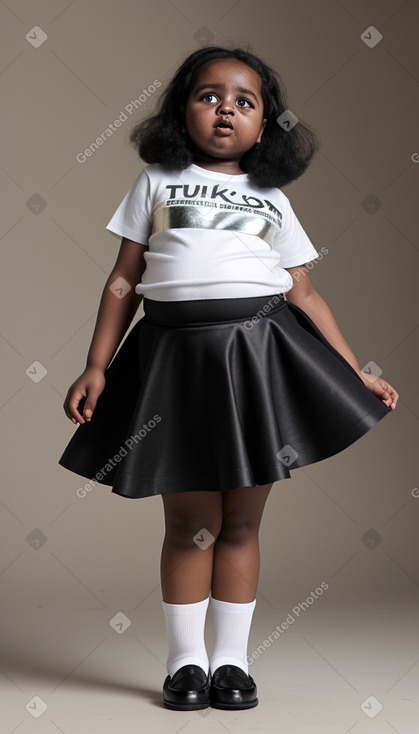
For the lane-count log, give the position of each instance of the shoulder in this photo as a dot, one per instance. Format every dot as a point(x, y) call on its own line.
point(281, 197)
point(148, 179)
point(277, 199)
point(156, 177)
point(273, 193)
point(156, 171)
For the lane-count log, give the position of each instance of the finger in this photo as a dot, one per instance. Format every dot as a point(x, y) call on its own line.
point(391, 392)
point(394, 392)
point(391, 395)
point(387, 390)
point(67, 411)
point(90, 404)
point(71, 416)
point(394, 397)
point(73, 407)
point(383, 390)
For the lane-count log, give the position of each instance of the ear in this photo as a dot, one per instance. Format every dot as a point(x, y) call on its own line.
point(264, 121)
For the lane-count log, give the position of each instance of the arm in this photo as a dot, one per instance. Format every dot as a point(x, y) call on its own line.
point(115, 314)
point(113, 319)
point(304, 295)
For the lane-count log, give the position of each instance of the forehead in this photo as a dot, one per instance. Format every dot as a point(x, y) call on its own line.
point(224, 70)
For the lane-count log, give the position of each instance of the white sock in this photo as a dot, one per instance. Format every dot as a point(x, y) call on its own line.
point(231, 633)
point(185, 625)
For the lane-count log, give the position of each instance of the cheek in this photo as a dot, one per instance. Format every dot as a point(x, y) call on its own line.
point(198, 117)
point(197, 122)
point(254, 128)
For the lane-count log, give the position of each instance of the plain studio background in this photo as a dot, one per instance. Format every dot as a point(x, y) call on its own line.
point(83, 631)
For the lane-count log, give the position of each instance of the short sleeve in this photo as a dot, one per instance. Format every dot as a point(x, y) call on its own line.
point(133, 217)
point(292, 242)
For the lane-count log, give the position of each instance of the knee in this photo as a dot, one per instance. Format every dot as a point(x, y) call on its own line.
point(185, 532)
point(238, 530)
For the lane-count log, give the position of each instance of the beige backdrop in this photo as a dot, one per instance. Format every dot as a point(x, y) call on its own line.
point(350, 521)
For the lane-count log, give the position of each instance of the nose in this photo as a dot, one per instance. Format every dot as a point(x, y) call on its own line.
point(225, 107)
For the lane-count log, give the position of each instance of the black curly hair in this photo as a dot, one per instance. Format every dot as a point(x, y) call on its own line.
point(280, 157)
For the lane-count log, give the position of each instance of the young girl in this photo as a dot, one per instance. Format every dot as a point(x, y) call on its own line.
point(224, 385)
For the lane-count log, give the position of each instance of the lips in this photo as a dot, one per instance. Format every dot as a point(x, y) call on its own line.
point(224, 124)
point(223, 131)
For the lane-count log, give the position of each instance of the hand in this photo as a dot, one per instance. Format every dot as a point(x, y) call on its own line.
point(89, 385)
point(381, 388)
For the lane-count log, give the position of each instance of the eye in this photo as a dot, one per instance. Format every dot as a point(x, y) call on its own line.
point(208, 94)
point(243, 99)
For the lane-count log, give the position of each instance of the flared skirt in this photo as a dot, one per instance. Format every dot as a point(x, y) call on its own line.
point(215, 394)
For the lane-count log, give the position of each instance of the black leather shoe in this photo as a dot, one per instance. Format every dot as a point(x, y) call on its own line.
point(231, 688)
point(187, 690)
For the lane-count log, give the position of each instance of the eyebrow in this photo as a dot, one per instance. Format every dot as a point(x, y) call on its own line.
point(221, 86)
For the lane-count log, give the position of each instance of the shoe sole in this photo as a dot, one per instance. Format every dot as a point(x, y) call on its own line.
point(234, 706)
point(185, 706)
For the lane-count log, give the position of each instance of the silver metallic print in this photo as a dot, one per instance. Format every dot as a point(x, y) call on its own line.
point(200, 216)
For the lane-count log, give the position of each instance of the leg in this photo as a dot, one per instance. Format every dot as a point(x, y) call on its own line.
point(236, 554)
point(185, 568)
point(186, 571)
point(234, 586)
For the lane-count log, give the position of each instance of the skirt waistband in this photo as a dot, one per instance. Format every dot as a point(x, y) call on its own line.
point(211, 310)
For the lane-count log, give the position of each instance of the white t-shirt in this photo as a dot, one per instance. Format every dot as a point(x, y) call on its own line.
point(210, 235)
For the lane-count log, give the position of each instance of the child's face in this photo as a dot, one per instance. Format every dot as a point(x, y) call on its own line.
point(217, 94)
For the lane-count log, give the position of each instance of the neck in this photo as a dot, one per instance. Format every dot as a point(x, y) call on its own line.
point(231, 167)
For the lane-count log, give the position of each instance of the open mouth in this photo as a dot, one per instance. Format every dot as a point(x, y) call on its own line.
point(224, 123)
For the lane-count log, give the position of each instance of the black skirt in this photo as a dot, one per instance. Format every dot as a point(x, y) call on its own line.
point(215, 394)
